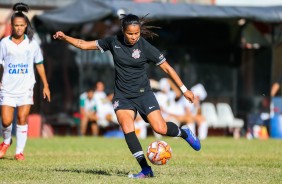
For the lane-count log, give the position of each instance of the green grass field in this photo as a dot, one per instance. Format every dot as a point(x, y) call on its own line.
point(108, 160)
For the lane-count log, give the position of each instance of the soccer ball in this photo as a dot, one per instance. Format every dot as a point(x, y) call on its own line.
point(159, 152)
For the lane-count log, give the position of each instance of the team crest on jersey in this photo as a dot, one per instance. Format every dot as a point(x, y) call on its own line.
point(136, 53)
point(116, 104)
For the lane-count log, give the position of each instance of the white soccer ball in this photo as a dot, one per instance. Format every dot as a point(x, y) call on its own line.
point(159, 152)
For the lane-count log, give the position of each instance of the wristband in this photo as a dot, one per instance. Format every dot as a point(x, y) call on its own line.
point(183, 88)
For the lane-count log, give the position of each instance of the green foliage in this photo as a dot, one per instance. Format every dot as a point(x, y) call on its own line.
point(102, 160)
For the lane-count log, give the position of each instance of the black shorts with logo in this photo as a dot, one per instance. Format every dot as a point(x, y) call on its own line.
point(144, 104)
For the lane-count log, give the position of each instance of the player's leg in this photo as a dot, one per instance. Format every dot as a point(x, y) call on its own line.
point(149, 109)
point(126, 121)
point(94, 128)
point(202, 126)
point(22, 129)
point(190, 123)
point(7, 118)
point(83, 124)
point(170, 129)
point(93, 118)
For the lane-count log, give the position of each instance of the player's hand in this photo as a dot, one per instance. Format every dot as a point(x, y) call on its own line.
point(46, 94)
point(189, 96)
point(59, 35)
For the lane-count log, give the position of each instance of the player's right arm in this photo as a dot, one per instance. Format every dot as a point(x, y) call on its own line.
point(274, 89)
point(79, 43)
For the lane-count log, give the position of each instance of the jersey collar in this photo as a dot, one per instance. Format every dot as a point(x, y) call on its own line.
point(11, 37)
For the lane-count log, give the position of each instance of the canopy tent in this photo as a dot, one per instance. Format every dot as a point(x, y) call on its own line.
point(185, 10)
point(73, 14)
point(92, 10)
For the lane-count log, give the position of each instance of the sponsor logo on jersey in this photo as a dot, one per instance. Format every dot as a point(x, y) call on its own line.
point(136, 53)
point(19, 68)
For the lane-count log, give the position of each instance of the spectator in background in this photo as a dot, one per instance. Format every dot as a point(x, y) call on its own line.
point(276, 87)
point(193, 111)
point(190, 114)
point(88, 112)
point(105, 112)
point(166, 96)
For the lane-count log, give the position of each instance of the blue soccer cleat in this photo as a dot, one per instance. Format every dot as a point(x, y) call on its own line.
point(145, 173)
point(192, 140)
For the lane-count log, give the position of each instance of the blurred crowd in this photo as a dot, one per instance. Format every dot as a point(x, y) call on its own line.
point(176, 108)
point(95, 109)
point(97, 114)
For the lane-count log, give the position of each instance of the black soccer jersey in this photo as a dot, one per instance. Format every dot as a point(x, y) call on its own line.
point(130, 61)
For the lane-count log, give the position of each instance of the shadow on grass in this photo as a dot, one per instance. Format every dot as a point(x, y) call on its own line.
point(94, 171)
point(8, 158)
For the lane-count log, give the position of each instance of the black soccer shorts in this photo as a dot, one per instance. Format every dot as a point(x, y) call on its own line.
point(144, 104)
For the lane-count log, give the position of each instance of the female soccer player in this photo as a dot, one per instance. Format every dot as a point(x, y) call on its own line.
point(18, 53)
point(132, 91)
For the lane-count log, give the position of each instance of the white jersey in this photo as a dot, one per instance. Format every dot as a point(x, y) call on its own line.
point(89, 105)
point(186, 104)
point(18, 63)
point(166, 100)
point(104, 106)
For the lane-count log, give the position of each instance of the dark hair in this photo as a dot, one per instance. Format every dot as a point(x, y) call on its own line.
point(130, 19)
point(19, 8)
point(90, 89)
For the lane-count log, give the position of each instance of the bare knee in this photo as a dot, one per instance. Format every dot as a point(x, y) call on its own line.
point(22, 120)
point(7, 115)
point(7, 121)
point(157, 122)
point(84, 120)
point(126, 120)
point(160, 128)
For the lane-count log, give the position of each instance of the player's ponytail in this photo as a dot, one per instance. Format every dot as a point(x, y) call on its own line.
point(18, 9)
point(131, 19)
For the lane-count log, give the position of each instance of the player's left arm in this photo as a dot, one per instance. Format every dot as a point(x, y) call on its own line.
point(1, 74)
point(1, 62)
point(175, 89)
point(46, 91)
point(174, 76)
point(79, 43)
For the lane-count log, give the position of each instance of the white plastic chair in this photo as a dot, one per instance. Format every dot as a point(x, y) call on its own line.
point(209, 112)
point(226, 116)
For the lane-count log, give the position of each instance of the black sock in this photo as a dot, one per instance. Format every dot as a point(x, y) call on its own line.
point(136, 149)
point(174, 131)
point(183, 134)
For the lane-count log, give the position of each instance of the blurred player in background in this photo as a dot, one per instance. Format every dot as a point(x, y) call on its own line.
point(18, 54)
point(131, 52)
